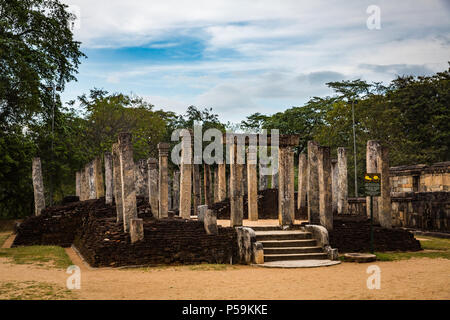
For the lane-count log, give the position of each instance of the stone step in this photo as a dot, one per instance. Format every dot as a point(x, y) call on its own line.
point(288, 243)
point(282, 235)
point(297, 256)
point(292, 250)
point(266, 228)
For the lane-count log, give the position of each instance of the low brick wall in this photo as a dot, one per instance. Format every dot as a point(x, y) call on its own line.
point(352, 234)
point(90, 225)
point(168, 241)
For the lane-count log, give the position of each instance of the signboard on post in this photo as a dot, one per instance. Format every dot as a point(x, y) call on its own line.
point(372, 184)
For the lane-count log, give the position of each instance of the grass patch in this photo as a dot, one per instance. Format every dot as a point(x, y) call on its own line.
point(33, 290)
point(40, 255)
point(210, 267)
point(433, 248)
point(194, 267)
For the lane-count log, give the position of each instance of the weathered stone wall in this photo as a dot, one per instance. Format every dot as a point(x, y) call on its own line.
point(420, 177)
point(352, 234)
point(421, 210)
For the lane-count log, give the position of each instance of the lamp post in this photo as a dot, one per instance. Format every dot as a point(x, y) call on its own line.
point(54, 88)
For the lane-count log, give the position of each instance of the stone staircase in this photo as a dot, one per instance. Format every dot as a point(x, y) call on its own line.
point(281, 245)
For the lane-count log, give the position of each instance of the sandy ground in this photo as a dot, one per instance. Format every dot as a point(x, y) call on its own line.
point(407, 279)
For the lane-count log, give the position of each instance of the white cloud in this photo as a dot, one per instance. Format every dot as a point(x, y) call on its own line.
point(263, 55)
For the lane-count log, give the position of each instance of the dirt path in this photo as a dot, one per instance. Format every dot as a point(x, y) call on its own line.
point(9, 241)
point(407, 279)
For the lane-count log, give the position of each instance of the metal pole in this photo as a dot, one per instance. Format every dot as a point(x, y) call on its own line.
point(53, 138)
point(354, 149)
point(371, 224)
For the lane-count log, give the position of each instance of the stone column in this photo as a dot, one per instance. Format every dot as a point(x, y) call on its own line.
point(263, 179)
point(325, 199)
point(207, 184)
point(216, 185)
point(98, 178)
point(301, 184)
point(78, 184)
point(210, 222)
point(141, 178)
point(384, 202)
point(236, 198)
point(313, 183)
point(108, 178)
point(244, 180)
point(252, 183)
point(197, 187)
point(176, 190)
point(136, 230)
point(186, 178)
point(117, 185)
point(91, 180)
point(169, 193)
point(128, 180)
point(84, 191)
point(372, 166)
point(342, 184)
point(275, 173)
point(163, 180)
point(334, 182)
point(153, 192)
point(286, 209)
point(38, 186)
point(222, 181)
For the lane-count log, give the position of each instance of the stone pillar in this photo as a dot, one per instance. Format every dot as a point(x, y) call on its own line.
point(275, 173)
point(176, 190)
point(128, 180)
point(197, 187)
point(244, 180)
point(301, 184)
point(108, 178)
point(252, 183)
point(207, 183)
point(384, 202)
point(210, 222)
point(372, 166)
point(84, 191)
point(342, 184)
point(334, 189)
point(201, 212)
point(222, 181)
point(325, 198)
point(286, 209)
point(38, 186)
point(186, 178)
point(98, 178)
point(153, 192)
point(117, 185)
point(263, 179)
point(78, 184)
point(141, 178)
point(216, 185)
point(169, 193)
point(313, 183)
point(163, 180)
point(236, 198)
point(91, 180)
point(136, 230)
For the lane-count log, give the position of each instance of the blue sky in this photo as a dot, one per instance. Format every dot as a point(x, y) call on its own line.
point(241, 57)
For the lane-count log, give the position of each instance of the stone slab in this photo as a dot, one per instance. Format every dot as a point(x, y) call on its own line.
point(299, 264)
